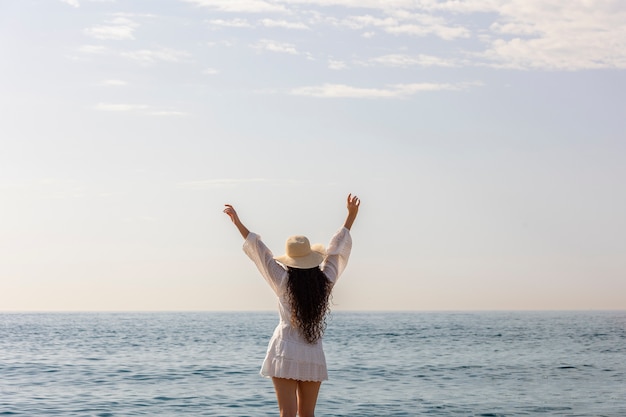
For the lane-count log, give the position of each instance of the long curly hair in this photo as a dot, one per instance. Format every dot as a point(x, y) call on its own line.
point(309, 293)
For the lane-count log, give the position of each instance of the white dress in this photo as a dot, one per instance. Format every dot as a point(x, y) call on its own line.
point(289, 355)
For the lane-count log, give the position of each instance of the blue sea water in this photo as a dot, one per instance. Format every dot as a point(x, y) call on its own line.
point(380, 364)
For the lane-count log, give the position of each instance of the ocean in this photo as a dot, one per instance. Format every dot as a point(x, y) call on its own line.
point(380, 364)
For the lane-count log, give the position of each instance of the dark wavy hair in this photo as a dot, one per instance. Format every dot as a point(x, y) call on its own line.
point(309, 293)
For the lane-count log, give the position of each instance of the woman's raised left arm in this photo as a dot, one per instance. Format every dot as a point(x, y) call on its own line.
point(230, 211)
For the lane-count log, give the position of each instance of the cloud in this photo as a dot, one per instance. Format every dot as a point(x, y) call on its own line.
point(364, 21)
point(541, 34)
point(120, 107)
point(233, 23)
point(224, 43)
point(558, 36)
point(93, 49)
point(405, 61)
point(142, 56)
point(210, 71)
point(166, 113)
point(120, 28)
point(360, 4)
point(405, 23)
point(136, 108)
point(456, 6)
point(240, 6)
point(275, 46)
point(73, 3)
point(514, 34)
point(244, 23)
point(444, 32)
point(390, 91)
point(519, 34)
point(150, 56)
point(271, 23)
point(336, 65)
point(115, 83)
point(545, 34)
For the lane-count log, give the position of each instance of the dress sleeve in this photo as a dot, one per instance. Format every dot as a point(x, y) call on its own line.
point(264, 260)
point(337, 255)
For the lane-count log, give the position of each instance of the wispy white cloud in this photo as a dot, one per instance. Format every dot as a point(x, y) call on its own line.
point(93, 49)
point(545, 34)
point(273, 23)
point(119, 28)
point(142, 56)
point(166, 113)
point(151, 56)
point(364, 21)
point(521, 34)
point(270, 23)
point(73, 3)
point(233, 23)
point(456, 6)
point(405, 23)
point(562, 36)
point(405, 61)
point(137, 108)
point(275, 46)
point(115, 83)
point(336, 65)
point(357, 4)
point(224, 43)
point(515, 34)
point(119, 107)
point(442, 31)
point(390, 91)
point(240, 6)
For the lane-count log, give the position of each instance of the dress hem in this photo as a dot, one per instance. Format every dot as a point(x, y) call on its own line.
point(295, 379)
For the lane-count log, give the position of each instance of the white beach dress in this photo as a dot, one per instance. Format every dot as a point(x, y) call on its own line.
point(289, 355)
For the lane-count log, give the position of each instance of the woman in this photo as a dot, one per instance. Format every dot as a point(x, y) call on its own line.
point(302, 279)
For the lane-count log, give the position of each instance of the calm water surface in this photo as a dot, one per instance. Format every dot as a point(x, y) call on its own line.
point(380, 364)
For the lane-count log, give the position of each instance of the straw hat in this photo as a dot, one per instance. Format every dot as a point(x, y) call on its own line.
point(300, 254)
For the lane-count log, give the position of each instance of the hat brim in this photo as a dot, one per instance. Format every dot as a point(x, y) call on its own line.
point(311, 260)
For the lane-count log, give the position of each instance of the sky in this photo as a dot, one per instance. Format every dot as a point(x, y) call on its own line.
point(486, 140)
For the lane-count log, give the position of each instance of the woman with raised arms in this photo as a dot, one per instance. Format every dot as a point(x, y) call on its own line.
point(302, 279)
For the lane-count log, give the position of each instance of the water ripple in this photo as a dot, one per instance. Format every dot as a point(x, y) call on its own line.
point(380, 364)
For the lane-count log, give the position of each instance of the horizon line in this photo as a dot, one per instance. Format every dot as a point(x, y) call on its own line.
point(335, 311)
